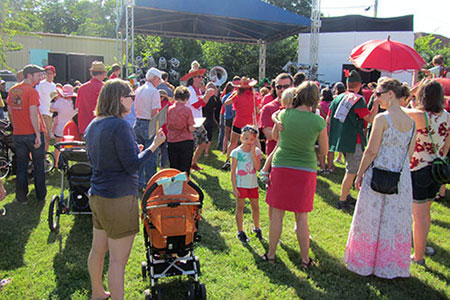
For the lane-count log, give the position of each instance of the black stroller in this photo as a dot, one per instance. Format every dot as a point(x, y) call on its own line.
point(78, 175)
point(7, 153)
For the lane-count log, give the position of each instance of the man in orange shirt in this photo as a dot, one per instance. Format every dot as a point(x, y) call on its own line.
point(28, 133)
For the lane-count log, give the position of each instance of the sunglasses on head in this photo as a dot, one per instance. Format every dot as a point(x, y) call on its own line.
point(279, 87)
point(249, 129)
point(378, 94)
point(130, 96)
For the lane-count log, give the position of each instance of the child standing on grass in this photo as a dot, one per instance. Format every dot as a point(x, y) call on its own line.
point(245, 160)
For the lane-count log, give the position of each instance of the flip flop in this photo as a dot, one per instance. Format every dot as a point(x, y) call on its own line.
point(267, 259)
point(309, 264)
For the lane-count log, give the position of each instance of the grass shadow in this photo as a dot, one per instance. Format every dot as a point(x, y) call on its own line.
point(281, 275)
point(442, 224)
point(211, 237)
point(15, 230)
point(221, 198)
point(442, 255)
point(70, 265)
point(328, 196)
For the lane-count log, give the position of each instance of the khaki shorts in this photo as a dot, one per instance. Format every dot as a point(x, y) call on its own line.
point(353, 160)
point(118, 217)
point(48, 123)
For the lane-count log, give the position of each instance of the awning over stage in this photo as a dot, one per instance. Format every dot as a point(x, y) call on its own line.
point(244, 21)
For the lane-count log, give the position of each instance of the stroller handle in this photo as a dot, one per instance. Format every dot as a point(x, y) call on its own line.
point(155, 185)
point(72, 143)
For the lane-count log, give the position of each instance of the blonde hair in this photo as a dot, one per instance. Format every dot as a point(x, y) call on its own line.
point(109, 103)
point(287, 98)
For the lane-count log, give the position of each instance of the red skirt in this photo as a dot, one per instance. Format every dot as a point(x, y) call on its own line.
point(291, 189)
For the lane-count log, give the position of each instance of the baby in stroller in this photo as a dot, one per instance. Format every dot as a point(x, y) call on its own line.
point(171, 210)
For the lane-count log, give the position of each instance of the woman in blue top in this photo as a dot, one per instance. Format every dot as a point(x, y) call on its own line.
point(115, 159)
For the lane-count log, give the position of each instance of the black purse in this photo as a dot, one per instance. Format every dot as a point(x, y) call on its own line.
point(384, 181)
point(440, 167)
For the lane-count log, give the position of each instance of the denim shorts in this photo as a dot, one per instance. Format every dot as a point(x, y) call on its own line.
point(424, 186)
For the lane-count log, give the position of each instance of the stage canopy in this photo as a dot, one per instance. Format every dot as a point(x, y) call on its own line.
point(238, 21)
point(246, 21)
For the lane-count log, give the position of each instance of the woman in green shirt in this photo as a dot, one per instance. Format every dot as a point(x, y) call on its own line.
point(294, 167)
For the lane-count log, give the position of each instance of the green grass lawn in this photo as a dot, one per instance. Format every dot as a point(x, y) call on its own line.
point(44, 265)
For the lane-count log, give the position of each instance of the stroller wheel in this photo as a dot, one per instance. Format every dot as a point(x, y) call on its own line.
point(197, 291)
point(144, 269)
point(4, 167)
point(155, 294)
point(53, 214)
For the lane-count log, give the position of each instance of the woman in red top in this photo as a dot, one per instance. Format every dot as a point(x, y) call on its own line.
point(243, 100)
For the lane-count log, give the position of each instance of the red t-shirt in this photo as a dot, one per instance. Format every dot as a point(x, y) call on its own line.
point(267, 99)
point(266, 121)
point(367, 94)
point(244, 106)
point(72, 129)
point(112, 76)
point(20, 98)
point(87, 101)
point(179, 118)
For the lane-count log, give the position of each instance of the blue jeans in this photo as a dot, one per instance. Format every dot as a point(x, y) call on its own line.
point(24, 146)
point(164, 155)
point(148, 169)
point(221, 132)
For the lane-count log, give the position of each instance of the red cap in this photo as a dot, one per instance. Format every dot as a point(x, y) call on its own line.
point(50, 67)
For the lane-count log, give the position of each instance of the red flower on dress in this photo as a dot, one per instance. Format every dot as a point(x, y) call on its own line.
point(419, 148)
point(414, 162)
point(428, 147)
point(422, 131)
point(443, 129)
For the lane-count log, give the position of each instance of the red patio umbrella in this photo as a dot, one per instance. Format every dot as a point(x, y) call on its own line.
point(386, 55)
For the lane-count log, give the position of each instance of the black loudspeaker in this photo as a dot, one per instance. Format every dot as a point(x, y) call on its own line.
point(89, 60)
point(366, 77)
point(76, 68)
point(59, 61)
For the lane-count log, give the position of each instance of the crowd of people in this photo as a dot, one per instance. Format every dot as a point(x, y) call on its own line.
point(301, 127)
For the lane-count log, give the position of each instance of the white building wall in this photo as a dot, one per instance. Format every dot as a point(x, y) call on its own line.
point(335, 49)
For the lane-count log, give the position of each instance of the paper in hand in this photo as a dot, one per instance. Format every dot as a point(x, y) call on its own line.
point(156, 122)
point(198, 122)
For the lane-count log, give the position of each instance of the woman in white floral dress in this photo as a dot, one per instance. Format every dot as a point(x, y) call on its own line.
point(379, 241)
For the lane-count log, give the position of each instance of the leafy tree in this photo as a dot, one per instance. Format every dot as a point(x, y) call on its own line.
point(16, 17)
point(429, 46)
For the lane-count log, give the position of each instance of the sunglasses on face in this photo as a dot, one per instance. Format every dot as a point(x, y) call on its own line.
point(198, 76)
point(378, 94)
point(280, 87)
point(249, 129)
point(130, 96)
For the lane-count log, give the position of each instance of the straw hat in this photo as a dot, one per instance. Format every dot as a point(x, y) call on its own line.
point(244, 83)
point(98, 66)
point(194, 71)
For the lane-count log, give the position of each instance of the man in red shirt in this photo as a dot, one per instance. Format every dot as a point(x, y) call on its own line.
point(28, 133)
point(88, 95)
point(282, 82)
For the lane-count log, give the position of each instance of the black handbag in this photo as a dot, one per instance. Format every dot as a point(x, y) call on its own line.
point(440, 167)
point(384, 181)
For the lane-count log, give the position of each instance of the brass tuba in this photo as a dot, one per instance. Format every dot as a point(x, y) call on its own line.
point(218, 75)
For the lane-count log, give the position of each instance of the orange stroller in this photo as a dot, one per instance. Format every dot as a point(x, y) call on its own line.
point(171, 208)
